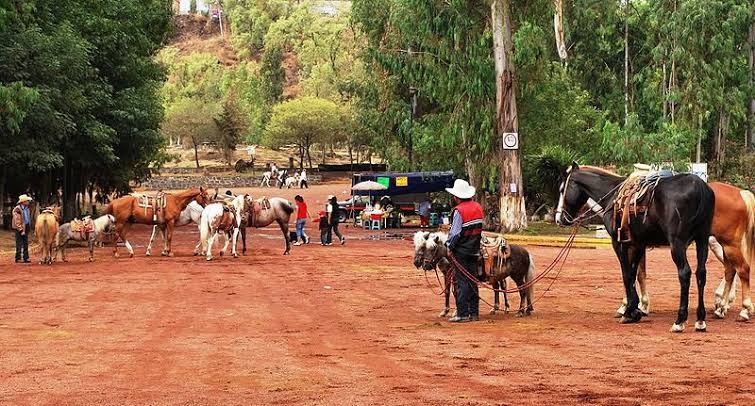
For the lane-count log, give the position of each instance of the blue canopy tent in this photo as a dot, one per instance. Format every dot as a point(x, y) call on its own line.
point(406, 182)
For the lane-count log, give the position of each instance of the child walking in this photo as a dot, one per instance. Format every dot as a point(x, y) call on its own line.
point(324, 228)
point(301, 220)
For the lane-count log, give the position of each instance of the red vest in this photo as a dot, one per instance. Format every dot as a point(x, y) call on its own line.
point(471, 228)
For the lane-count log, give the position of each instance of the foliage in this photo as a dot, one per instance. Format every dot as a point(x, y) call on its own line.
point(231, 125)
point(303, 122)
point(79, 90)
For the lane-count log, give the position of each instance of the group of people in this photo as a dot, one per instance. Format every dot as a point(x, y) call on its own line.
point(280, 175)
point(328, 220)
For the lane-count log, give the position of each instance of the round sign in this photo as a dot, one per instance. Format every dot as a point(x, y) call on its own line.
point(510, 141)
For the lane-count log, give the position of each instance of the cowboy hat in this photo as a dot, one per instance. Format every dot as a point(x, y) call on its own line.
point(462, 189)
point(24, 198)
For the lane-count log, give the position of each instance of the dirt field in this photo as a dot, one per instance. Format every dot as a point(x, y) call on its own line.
point(353, 324)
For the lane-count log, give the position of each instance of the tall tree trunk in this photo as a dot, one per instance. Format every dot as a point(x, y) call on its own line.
point(323, 153)
point(750, 137)
point(309, 155)
point(558, 28)
point(513, 213)
point(196, 153)
point(664, 91)
point(719, 142)
point(351, 155)
point(301, 157)
point(626, 63)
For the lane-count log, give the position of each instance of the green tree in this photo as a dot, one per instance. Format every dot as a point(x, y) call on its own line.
point(303, 122)
point(192, 122)
point(231, 126)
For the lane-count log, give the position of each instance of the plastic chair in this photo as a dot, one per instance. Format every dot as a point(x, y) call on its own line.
point(375, 221)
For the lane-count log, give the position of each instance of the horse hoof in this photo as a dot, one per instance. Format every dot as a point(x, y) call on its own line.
point(170, 255)
point(91, 259)
point(719, 313)
point(700, 326)
point(744, 315)
point(209, 258)
point(627, 320)
point(131, 255)
point(678, 328)
point(444, 313)
point(492, 312)
point(520, 313)
point(196, 254)
point(287, 253)
point(149, 254)
point(163, 254)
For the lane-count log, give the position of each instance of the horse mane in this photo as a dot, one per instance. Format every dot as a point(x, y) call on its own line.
point(590, 168)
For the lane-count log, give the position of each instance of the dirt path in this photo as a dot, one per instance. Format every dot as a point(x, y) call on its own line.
point(346, 325)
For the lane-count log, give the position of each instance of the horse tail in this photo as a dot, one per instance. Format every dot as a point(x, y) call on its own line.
point(529, 278)
point(287, 207)
point(748, 241)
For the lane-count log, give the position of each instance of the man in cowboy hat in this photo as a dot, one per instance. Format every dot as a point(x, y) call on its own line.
point(464, 243)
point(22, 225)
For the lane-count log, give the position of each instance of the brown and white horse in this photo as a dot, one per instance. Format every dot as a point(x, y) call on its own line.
point(262, 213)
point(45, 229)
point(515, 262)
point(127, 210)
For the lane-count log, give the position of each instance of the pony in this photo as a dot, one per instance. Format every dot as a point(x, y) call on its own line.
point(131, 209)
point(221, 218)
point(191, 214)
point(262, 213)
point(45, 230)
point(430, 253)
point(679, 212)
point(502, 261)
point(291, 181)
point(99, 227)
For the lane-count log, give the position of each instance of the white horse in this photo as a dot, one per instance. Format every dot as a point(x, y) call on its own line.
point(291, 181)
point(191, 214)
point(216, 219)
point(100, 226)
point(266, 177)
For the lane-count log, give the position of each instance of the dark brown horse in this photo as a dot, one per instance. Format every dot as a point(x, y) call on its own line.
point(501, 262)
point(163, 211)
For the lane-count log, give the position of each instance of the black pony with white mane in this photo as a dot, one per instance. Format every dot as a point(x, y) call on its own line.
point(677, 211)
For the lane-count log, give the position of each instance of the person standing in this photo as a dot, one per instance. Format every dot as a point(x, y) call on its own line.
point(301, 220)
point(464, 243)
point(332, 209)
point(22, 225)
point(424, 212)
point(303, 179)
point(324, 227)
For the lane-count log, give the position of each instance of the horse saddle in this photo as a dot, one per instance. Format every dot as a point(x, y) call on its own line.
point(495, 247)
point(634, 197)
point(226, 221)
point(157, 203)
point(84, 226)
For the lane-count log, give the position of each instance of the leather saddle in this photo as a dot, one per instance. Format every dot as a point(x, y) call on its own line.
point(494, 252)
point(157, 203)
point(83, 226)
point(634, 197)
point(227, 221)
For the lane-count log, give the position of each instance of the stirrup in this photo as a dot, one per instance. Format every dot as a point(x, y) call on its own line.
point(620, 237)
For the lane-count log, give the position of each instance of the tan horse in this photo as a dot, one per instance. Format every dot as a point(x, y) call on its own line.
point(46, 228)
point(130, 209)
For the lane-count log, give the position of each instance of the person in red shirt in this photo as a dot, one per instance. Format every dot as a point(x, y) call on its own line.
point(302, 215)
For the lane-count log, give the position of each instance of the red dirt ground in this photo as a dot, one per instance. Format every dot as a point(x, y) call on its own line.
point(353, 324)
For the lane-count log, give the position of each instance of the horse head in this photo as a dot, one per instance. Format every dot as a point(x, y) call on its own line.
point(571, 197)
point(429, 249)
point(202, 197)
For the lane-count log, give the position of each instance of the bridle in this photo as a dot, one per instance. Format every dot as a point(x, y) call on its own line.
point(595, 207)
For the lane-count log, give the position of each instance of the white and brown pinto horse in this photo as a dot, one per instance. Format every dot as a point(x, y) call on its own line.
point(86, 229)
point(128, 210)
point(431, 253)
point(221, 218)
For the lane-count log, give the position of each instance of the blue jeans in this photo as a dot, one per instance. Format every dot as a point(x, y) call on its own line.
point(300, 229)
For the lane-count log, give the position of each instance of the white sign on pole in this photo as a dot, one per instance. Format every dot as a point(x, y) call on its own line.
point(701, 170)
point(510, 141)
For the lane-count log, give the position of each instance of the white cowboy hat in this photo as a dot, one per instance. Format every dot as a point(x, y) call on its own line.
point(24, 198)
point(462, 189)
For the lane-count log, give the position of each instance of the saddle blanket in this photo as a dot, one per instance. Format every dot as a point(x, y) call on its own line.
point(85, 225)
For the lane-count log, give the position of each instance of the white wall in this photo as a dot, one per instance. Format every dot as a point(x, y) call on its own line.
point(202, 5)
